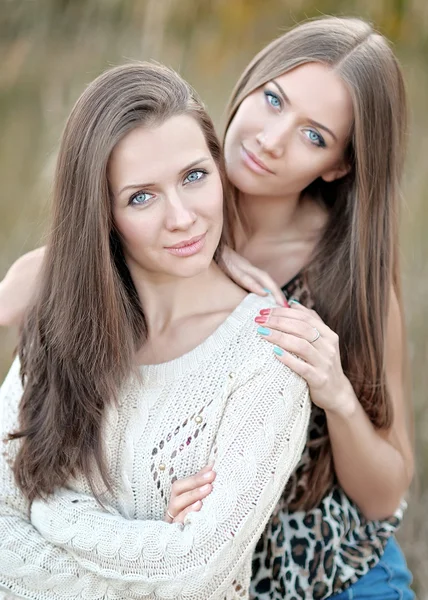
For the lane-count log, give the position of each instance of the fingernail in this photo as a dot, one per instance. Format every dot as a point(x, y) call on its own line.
point(207, 475)
point(265, 311)
point(205, 488)
point(263, 330)
point(267, 291)
point(278, 351)
point(286, 304)
point(260, 319)
point(294, 301)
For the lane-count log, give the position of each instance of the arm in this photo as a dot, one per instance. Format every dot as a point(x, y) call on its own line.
point(31, 567)
point(259, 442)
point(374, 467)
point(18, 287)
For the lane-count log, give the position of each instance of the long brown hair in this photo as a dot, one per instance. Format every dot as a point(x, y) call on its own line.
point(78, 343)
point(355, 264)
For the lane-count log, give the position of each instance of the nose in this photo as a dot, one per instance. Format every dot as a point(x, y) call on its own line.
point(272, 140)
point(179, 215)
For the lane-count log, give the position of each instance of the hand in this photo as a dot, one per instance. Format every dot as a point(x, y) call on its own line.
point(187, 494)
point(250, 277)
point(316, 358)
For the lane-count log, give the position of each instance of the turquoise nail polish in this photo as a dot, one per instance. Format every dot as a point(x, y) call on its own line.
point(263, 330)
point(267, 291)
point(278, 351)
point(294, 301)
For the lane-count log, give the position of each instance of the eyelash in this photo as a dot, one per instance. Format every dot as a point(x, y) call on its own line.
point(268, 94)
point(321, 141)
point(142, 192)
point(203, 171)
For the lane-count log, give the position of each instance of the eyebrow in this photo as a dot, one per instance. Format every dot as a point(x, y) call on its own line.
point(139, 186)
point(315, 123)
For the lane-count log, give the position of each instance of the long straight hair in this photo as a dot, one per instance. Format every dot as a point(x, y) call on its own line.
point(78, 343)
point(355, 264)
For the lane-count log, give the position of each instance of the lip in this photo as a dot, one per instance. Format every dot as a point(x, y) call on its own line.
point(188, 247)
point(254, 162)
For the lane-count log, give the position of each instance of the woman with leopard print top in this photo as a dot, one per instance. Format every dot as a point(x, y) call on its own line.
point(314, 149)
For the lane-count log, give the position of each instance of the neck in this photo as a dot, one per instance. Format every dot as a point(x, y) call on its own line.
point(167, 300)
point(270, 217)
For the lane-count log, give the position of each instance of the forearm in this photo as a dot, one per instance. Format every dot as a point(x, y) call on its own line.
point(258, 445)
point(370, 469)
point(31, 567)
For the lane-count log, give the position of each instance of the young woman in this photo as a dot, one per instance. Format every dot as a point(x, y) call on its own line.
point(141, 364)
point(314, 146)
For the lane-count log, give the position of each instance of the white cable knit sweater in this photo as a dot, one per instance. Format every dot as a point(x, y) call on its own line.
point(229, 400)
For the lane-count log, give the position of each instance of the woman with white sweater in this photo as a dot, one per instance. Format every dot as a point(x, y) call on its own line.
point(141, 363)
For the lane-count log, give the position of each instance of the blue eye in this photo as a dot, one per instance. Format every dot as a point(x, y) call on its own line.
point(315, 138)
point(196, 175)
point(272, 99)
point(140, 198)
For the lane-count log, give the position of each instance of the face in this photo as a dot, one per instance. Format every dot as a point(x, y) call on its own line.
point(290, 132)
point(167, 199)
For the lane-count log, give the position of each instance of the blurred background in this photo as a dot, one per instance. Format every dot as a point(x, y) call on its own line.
point(50, 49)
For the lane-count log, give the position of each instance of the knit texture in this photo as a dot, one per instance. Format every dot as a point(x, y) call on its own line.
point(229, 400)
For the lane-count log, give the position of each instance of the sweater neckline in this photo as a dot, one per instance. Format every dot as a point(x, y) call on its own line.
point(191, 360)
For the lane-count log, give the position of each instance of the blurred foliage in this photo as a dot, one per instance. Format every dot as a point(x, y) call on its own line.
point(50, 49)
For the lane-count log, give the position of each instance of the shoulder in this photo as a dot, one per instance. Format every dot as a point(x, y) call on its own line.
point(256, 359)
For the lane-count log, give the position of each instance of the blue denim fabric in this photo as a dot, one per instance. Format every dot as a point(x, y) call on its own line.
point(390, 579)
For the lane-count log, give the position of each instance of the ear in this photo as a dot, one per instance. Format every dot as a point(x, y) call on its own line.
point(336, 172)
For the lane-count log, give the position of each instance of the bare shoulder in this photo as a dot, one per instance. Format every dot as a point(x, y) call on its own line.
point(18, 286)
point(29, 259)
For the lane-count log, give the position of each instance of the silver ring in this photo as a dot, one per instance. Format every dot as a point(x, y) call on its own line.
point(169, 515)
point(317, 335)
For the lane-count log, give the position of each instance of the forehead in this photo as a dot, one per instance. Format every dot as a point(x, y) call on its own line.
point(318, 92)
point(155, 153)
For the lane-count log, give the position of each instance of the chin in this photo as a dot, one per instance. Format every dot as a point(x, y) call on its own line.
point(191, 266)
point(247, 183)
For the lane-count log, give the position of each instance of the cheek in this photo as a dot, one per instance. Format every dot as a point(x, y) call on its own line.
point(245, 121)
point(211, 205)
point(136, 232)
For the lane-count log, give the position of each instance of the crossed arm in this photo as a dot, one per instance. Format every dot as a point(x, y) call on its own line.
point(69, 544)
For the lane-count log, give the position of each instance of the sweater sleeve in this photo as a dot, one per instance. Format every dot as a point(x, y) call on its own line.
point(258, 444)
point(30, 566)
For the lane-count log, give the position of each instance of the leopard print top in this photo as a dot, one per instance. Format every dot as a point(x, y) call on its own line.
point(315, 554)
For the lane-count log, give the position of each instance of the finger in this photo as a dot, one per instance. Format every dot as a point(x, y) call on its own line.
point(305, 315)
point(269, 285)
point(300, 367)
point(291, 343)
point(181, 486)
point(295, 327)
point(250, 283)
point(196, 507)
point(296, 305)
point(179, 503)
point(205, 469)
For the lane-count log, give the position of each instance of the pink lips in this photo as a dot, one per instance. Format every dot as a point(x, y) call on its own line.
point(188, 247)
point(254, 162)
